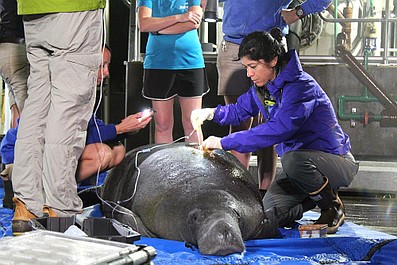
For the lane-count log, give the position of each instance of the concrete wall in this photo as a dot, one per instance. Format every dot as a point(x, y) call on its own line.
point(370, 141)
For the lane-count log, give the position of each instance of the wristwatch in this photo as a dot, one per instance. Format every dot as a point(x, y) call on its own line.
point(299, 12)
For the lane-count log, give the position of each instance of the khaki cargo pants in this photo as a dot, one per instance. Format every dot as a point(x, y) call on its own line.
point(64, 54)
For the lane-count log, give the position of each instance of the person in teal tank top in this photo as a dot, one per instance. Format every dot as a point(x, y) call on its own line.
point(174, 63)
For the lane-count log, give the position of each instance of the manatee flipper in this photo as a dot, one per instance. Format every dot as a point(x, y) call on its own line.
point(268, 228)
point(126, 216)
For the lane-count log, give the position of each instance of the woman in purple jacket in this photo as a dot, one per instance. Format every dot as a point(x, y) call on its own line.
point(301, 122)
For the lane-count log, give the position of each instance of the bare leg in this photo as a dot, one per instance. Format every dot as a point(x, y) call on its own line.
point(98, 155)
point(14, 116)
point(164, 120)
point(244, 158)
point(118, 154)
point(267, 162)
point(187, 106)
point(94, 157)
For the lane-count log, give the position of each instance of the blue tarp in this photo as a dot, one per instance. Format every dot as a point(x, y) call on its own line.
point(352, 244)
point(340, 250)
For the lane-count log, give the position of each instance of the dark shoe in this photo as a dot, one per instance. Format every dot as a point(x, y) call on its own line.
point(333, 217)
point(331, 206)
point(49, 212)
point(340, 201)
point(20, 222)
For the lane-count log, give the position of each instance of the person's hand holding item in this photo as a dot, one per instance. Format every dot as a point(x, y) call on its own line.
point(198, 116)
point(212, 142)
point(133, 123)
point(146, 113)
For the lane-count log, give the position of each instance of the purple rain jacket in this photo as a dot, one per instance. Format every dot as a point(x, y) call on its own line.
point(302, 117)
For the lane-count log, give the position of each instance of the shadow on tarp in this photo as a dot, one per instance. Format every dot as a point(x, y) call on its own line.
point(353, 244)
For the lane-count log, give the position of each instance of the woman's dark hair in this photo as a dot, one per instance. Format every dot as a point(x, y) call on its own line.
point(262, 45)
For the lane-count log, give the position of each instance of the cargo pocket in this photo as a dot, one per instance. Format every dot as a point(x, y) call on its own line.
point(83, 75)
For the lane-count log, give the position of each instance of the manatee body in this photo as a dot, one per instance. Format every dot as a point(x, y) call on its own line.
point(206, 199)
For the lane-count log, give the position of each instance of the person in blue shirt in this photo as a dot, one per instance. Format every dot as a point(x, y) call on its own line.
point(239, 19)
point(300, 122)
point(174, 63)
point(103, 149)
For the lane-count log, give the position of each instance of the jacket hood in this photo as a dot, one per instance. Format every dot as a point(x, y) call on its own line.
point(291, 72)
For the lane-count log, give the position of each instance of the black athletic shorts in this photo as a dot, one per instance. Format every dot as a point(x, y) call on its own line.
point(162, 84)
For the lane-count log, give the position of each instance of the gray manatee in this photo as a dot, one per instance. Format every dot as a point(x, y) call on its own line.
point(206, 199)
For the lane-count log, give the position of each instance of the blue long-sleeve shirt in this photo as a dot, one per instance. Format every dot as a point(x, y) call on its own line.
point(108, 132)
point(301, 118)
point(243, 17)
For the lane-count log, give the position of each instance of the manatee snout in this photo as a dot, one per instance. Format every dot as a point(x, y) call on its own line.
point(220, 238)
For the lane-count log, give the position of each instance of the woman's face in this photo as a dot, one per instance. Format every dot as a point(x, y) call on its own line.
point(260, 71)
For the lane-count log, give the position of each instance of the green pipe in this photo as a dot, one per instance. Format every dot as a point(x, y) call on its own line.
point(357, 117)
point(365, 98)
point(366, 55)
point(372, 7)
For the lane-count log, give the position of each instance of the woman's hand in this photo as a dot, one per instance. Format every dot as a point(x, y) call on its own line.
point(212, 142)
point(198, 116)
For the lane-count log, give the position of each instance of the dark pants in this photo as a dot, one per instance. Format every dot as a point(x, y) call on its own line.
point(303, 173)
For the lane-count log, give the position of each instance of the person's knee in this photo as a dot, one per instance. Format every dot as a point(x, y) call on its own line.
point(291, 162)
point(118, 154)
point(107, 157)
point(164, 125)
point(287, 217)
